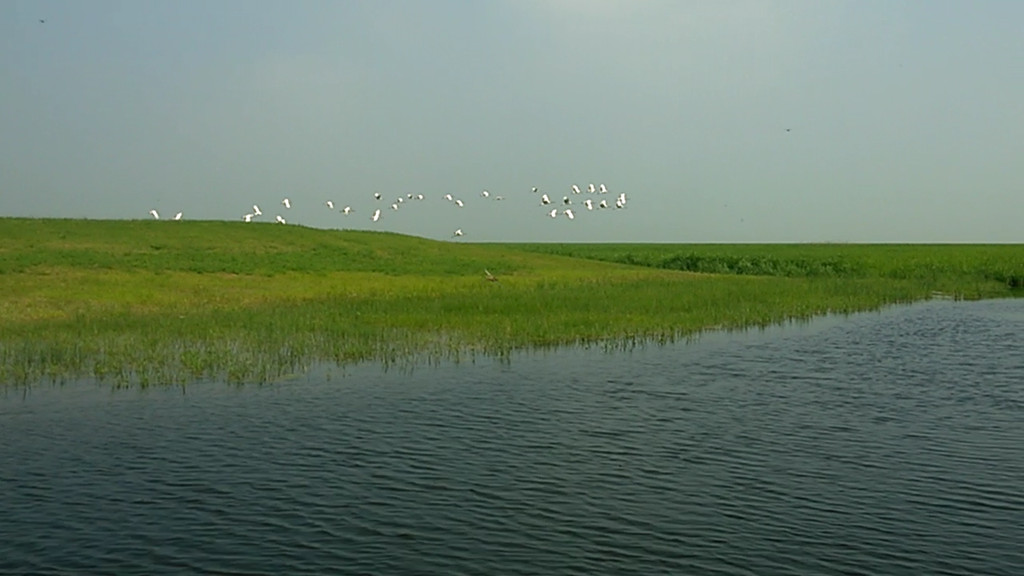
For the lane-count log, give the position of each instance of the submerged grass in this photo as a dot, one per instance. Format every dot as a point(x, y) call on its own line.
point(153, 302)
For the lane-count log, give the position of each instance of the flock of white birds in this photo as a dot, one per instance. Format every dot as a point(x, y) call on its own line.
point(552, 208)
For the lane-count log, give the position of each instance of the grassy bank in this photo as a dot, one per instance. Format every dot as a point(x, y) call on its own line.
point(966, 270)
point(157, 302)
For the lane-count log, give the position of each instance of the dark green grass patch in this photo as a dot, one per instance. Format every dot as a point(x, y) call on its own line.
point(967, 270)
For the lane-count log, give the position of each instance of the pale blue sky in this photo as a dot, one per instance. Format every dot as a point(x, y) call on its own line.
point(906, 118)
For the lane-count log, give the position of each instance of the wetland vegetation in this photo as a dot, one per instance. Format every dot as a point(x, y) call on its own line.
point(158, 302)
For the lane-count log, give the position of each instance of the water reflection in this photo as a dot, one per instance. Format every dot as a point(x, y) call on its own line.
point(885, 442)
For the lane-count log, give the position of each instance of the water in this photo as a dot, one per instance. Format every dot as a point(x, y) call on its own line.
point(882, 443)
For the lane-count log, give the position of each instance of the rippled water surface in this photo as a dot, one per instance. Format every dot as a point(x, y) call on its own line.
point(881, 443)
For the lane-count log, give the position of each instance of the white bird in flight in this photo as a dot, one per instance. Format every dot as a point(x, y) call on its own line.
point(620, 202)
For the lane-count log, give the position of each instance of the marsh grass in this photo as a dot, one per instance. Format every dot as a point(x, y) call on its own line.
point(961, 270)
point(144, 303)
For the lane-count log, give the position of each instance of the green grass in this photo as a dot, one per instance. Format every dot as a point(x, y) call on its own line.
point(155, 302)
point(971, 270)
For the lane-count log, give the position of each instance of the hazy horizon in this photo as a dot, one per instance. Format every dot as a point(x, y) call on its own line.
point(733, 121)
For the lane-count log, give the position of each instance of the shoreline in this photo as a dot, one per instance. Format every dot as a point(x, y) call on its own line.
point(140, 304)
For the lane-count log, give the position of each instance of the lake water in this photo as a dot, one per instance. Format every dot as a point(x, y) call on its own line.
point(888, 442)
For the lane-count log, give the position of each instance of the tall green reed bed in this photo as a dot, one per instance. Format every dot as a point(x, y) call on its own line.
point(142, 303)
point(960, 270)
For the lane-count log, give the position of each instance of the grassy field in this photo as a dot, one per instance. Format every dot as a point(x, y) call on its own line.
point(161, 302)
point(967, 270)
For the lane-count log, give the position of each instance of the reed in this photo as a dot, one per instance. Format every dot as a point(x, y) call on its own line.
point(154, 302)
point(962, 270)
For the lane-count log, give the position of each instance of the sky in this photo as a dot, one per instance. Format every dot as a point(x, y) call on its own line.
point(721, 121)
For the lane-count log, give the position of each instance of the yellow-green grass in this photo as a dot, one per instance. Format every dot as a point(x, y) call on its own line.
point(155, 302)
point(961, 270)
